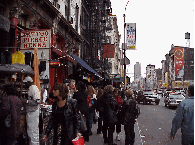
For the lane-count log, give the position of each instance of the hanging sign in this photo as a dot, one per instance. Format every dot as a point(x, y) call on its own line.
point(35, 39)
point(179, 62)
point(131, 36)
point(108, 51)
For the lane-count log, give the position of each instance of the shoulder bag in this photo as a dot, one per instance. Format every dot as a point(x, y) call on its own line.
point(83, 126)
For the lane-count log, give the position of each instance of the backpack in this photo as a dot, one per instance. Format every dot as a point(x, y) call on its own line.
point(130, 115)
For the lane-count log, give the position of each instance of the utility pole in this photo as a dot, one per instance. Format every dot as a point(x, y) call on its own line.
point(124, 47)
point(124, 53)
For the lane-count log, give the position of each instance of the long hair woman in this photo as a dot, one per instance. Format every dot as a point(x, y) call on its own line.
point(119, 100)
point(64, 119)
point(91, 101)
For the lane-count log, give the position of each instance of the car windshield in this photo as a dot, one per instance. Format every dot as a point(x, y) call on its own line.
point(149, 93)
point(176, 96)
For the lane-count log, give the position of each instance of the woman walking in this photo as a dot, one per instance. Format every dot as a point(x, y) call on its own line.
point(65, 118)
point(91, 101)
point(119, 100)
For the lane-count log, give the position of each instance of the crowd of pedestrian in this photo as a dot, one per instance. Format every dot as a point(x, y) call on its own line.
point(75, 107)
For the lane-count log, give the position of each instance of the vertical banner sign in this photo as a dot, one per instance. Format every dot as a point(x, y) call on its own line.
point(131, 36)
point(179, 62)
point(108, 51)
point(35, 39)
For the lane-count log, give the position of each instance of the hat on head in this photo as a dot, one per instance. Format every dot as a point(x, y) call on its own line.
point(28, 79)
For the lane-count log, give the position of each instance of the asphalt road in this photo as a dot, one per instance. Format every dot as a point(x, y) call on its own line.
point(154, 124)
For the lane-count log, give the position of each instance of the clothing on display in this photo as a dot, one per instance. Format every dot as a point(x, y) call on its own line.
point(18, 57)
point(6, 57)
point(29, 57)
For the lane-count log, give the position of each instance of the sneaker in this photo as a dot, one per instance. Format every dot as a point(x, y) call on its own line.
point(117, 138)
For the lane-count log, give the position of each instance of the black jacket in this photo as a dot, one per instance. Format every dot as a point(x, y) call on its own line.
point(128, 111)
point(81, 97)
point(72, 118)
point(110, 106)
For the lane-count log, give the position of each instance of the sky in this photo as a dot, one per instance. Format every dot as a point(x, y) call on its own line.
point(159, 24)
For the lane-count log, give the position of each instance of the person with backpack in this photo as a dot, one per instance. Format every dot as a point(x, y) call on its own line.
point(129, 113)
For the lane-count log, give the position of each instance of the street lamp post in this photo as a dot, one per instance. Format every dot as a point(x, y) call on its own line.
point(124, 53)
point(124, 47)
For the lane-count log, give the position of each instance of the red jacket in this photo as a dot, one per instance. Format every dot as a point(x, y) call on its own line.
point(119, 100)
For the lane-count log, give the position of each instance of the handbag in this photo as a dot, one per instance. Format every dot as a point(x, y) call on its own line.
point(78, 141)
point(83, 126)
point(8, 118)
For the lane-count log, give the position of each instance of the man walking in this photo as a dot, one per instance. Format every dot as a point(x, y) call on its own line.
point(184, 118)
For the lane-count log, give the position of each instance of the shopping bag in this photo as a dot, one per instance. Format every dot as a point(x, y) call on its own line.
point(78, 141)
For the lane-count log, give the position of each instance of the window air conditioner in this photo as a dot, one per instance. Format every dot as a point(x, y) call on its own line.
point(58, 6)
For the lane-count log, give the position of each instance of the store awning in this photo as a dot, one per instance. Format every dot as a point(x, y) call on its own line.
point(118, 79)
point(85, 65)
point(16, 68)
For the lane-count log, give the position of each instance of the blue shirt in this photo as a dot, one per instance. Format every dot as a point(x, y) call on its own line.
point(184, 118)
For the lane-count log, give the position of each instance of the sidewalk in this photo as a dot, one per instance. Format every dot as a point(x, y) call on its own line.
point(97, 139)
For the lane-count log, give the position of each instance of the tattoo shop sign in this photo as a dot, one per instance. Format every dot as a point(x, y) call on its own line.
point(35, 39)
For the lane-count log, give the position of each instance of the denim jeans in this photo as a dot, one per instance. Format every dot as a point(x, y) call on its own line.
point(187, 140)
point(129, 133)
point(90, 121)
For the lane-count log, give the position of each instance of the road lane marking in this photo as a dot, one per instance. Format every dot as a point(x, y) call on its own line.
point(139, 133)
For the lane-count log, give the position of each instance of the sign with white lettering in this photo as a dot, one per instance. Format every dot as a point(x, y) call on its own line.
point(35, 39)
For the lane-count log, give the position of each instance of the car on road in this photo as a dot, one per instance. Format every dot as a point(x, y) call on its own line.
point(173, 99)
point(167, 92)
point(160, 93)
point(147, 97)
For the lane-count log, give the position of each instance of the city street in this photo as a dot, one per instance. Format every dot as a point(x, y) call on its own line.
point(155, 123)
point(152, 127)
